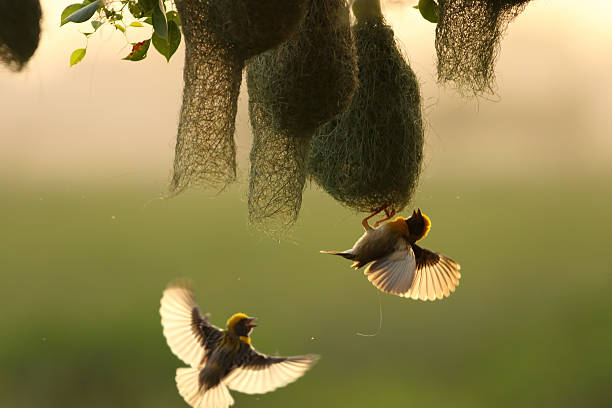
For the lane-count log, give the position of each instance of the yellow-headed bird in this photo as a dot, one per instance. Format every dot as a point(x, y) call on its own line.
point(399, 266)
point(220, 359)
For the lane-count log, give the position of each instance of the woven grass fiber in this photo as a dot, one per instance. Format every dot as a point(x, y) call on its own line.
point(467, 41)
point(215, 54)
point(293, 89)
point(370, 155)
point(19, 31)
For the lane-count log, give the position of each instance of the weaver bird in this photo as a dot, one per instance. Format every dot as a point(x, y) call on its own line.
point(399, 266)
point(220, 359)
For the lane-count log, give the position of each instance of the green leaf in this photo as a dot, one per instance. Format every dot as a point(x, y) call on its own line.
point(139, 51)
point(160, 23)
point(148, 20)
point(120, 28)
point(96, 24)
point(173, 16)
point(77, 55)
point(68, 11)
point(82, 14)
point(168, 47)
point(429, 10)
point(136, 24)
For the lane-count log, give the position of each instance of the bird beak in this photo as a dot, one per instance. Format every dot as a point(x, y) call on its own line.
point(251, 322)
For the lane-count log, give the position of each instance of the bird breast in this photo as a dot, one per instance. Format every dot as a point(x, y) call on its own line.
point(218, 365)
point(376, 243)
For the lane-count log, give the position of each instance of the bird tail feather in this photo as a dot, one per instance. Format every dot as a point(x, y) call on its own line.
point(345, 254)
point(188, 384)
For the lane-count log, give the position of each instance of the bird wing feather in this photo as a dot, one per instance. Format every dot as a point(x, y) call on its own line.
point(259, 373)
point(193, 394)
point(436, 276)
point(394, 273)
point(187, 332)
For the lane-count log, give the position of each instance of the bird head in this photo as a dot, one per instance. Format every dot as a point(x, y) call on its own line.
point(241, 325)
point(418, 225)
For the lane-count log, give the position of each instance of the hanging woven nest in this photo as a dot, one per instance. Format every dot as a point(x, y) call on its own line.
point(370, 156)
point(215, 54)
point(19, 31)
point(293, 89)
point(467, 41)
point(257, 26)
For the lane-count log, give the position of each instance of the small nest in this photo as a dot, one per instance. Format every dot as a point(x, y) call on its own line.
point(214, 58)
point(370, 155)
point(19, 31)
point(467, 41)
point(293, 89)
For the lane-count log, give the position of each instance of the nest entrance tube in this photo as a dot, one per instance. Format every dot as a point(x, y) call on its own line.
point(467, 41)
point(278, 175)
point(369, 156)
point(19, 31)
point(293, 89)
point(215, 54)
point(205, 149)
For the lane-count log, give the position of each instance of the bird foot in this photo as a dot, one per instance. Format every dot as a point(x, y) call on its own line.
point(389, 214)
point(365, 223)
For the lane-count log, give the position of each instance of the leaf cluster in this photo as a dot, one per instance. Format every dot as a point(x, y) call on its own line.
point(126, 16)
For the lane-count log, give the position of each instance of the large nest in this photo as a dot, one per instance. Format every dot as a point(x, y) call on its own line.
point(257, 26)
point(19, 31)
point(467, 40)
point(370, 156)
point(215, 54)
point(293, 89)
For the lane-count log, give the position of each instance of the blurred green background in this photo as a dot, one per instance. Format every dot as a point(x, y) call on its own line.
point(530, 323)
point(518, 190)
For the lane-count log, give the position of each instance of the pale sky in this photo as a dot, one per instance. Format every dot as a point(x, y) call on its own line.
point(108, 119)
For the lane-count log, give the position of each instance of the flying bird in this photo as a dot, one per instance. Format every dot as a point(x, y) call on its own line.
point(220, 359)
point(398, 265)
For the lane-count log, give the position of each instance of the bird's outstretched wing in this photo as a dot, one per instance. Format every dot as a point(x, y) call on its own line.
point(436, 276)
point(258, 373)
point(394, 273)
point(187, 332)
